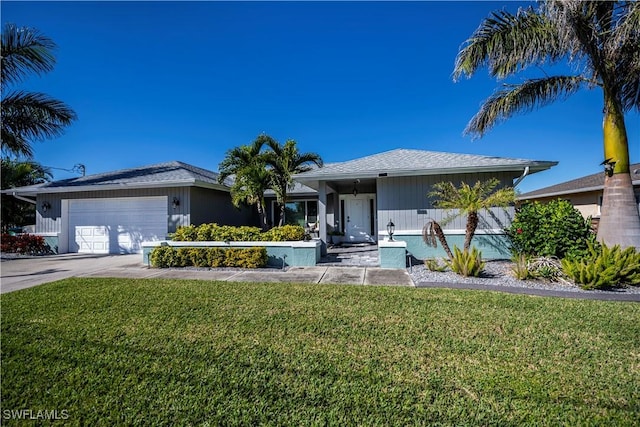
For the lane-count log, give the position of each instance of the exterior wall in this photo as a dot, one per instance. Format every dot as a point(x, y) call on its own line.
point(50, 221)
point(588, 203)
point(280, 254)
point(404, 201)
point(209, 205)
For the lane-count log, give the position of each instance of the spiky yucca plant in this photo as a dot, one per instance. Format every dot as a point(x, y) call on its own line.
point(467, 263)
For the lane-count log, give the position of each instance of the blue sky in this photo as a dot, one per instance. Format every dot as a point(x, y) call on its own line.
point(158, 81)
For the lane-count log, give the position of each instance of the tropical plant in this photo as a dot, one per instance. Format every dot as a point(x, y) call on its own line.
point(28, 116)
point(286, 161)
point(467, 263)
point(468, 200)
point(548, 268)
point(433, 264)
point(433, 230)
point(599, 40)
point(520, 268)
point(17, 174)
point(605, 267)
point(246, 165)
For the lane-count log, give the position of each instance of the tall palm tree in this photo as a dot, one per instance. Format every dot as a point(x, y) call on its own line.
point(28, 116)
point(286, 161)
point(600, 40)
point(17, 174)
point(468, 200)
point(246, 165)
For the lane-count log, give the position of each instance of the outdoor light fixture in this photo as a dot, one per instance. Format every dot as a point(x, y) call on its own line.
point(355, 187)
point(391, 227)
point(608, 166)
point(175, 203)
point(46, 206)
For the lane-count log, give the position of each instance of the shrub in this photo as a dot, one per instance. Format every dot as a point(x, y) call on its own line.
point(26, 244)
point(467, 263)
point(163, 257)
point(433, 265)
point(167, 257)
point(225, 233)
point(216, 257)
point(604, 267)
point(554, 229)
point(187, 234)
point(246, 258)
point(285, 233)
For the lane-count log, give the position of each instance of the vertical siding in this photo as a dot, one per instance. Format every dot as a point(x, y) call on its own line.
point(50, 221)
point(404, 200)
point(208, 205)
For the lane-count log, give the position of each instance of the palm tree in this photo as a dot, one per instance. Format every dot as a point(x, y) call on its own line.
point(286, 161)
point(28, 116)
point(467, 200)
point(246, 164)
point(17, 174)
point(600, 40)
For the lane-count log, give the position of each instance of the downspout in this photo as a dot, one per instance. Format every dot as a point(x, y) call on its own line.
point(24, 199)
point(519, 180)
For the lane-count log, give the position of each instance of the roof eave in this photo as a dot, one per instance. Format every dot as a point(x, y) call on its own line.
point(566, 192)
point(112, 187)
point(533, 168)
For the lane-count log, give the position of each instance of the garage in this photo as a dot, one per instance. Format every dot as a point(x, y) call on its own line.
point(115, 225)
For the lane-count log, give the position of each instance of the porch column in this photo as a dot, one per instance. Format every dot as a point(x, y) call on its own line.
point(322, 216)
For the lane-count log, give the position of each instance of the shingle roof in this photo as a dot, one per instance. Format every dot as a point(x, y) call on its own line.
point(404, 162)
point(579, 185)
point(162, 174)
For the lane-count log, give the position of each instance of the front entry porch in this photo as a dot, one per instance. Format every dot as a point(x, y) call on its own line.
point(351, 255)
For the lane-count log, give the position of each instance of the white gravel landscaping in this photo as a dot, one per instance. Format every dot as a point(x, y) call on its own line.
point(498, 273)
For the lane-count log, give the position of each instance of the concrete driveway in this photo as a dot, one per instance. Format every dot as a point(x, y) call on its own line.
point(20, 273)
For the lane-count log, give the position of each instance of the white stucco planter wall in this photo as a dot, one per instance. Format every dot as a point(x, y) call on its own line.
point(293, 254)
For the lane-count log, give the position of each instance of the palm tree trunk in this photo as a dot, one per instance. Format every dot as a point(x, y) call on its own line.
point(282, 211)
point(443, 241)
point(472, 225)
point(619, 219)
point(261, 214)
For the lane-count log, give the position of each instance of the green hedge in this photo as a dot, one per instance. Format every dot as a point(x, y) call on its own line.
point(167, 256)
point(226, 233)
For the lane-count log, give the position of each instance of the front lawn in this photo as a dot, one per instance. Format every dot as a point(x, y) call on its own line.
point(170, 352)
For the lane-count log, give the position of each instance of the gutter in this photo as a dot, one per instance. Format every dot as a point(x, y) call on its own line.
point(524, 174)
point(24, 199)
point(318, 175)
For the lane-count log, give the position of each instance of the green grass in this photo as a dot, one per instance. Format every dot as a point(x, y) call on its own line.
point(169, 352)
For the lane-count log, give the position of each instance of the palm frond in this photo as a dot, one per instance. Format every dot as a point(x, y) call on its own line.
point(507, 43)
point(24, 51)
point(30, 116)
point(524, 97)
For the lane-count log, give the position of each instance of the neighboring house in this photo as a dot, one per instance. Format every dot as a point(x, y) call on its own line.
point(114, 212)
point(584, 193)
point(359, 197)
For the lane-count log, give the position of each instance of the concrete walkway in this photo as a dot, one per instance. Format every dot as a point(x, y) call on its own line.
point(27, 272)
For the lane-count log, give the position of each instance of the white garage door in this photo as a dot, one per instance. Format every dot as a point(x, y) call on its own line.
point(116, 226)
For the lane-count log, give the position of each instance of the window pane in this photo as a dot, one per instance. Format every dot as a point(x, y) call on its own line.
point(294, 213)
point(312, 211)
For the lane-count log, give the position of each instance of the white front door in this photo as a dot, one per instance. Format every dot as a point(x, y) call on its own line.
point(358, 218)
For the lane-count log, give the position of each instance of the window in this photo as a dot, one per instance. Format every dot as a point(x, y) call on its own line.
point(299, 212)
